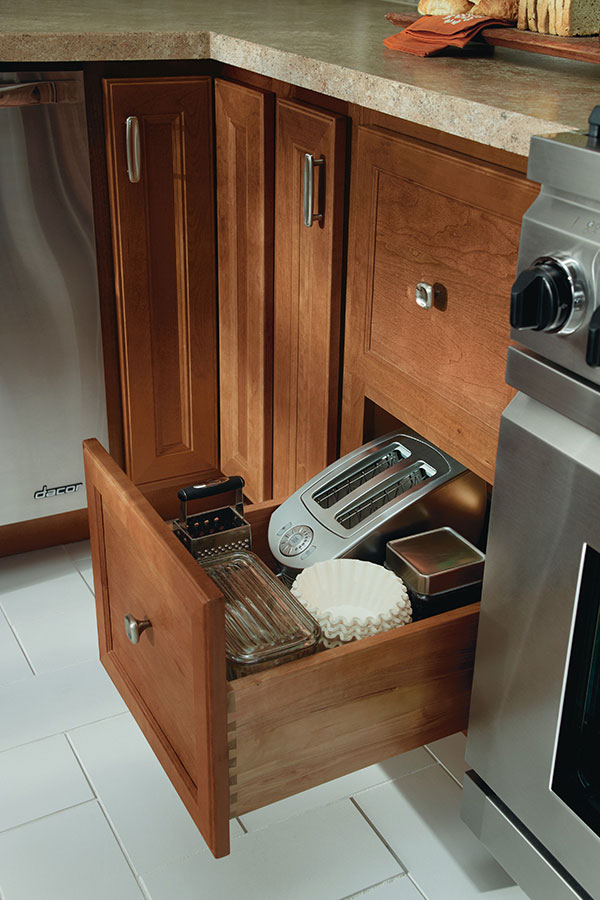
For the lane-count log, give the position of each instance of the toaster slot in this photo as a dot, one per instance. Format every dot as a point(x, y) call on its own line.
point(359, 474)
point(381, 495)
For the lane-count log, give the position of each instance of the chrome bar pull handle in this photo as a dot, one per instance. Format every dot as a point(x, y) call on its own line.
point(309, 167)
point(132, 139)
point(134, 627)
point(28, 93)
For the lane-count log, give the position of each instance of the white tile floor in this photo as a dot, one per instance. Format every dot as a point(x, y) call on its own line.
point(87, 813)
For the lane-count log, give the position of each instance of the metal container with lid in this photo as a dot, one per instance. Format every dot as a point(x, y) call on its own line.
point(264, 623)
point(441, 569)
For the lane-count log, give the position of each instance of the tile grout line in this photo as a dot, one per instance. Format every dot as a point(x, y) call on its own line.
point(444, 767)
point(415, 885)
point(55, 812)
point(56, 733)
point(241, 824)
point(379, 835)
point(18, 640)
point(110, 824)
point(85, 582)
point(75, 565)
point(80, 764)
point(327, 803)
point(373, 887)
point(123, 849)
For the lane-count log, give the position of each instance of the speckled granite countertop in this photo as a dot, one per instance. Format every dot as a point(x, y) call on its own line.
point(331, 46)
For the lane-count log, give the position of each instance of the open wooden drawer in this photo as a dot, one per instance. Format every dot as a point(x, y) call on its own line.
point(230, 747)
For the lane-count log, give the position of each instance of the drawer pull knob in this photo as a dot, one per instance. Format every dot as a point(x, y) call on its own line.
point(425, 295)
point(134, 627)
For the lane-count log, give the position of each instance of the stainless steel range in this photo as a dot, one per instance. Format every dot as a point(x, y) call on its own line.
point(533, 796)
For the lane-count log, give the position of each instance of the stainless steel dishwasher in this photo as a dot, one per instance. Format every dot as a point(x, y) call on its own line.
point(51, 371)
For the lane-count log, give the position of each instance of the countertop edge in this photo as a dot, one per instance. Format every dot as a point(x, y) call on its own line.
point(455, 115)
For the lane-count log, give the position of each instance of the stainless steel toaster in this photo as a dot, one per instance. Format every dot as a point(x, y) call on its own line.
point(395, 485)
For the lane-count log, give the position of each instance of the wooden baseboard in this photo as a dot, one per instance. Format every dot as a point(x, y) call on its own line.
point(45, 532)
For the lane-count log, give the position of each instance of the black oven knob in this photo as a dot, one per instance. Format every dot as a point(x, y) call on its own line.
point(592, 353)
point(542, 297)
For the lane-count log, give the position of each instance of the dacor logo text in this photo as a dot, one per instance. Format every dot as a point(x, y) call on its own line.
point(57, 491)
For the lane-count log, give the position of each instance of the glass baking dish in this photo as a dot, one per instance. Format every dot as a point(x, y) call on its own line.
point(264, 623)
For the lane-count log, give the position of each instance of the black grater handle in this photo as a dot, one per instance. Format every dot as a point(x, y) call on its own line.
point(219, 486)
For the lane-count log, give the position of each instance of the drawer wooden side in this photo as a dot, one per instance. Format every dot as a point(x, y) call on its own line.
point(304, 723)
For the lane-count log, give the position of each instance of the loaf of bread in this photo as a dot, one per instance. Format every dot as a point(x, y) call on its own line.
point(497, 9)
point(443, 7)
point(564, 17)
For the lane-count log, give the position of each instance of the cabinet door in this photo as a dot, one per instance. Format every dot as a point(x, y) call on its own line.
point(423, 215)
point(163, 239)
point(244, 129)
point(308, 288)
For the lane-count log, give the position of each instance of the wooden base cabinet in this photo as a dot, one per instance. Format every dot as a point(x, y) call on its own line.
point(230, 747)
point(432, 255)
point(159, 148)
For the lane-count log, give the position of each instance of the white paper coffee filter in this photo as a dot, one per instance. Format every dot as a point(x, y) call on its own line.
point(352, 599)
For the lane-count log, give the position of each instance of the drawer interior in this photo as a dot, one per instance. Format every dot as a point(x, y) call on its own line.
point(303, 723)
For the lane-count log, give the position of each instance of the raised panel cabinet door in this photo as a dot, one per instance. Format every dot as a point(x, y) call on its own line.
point(308, 291)
point(159, 145)
point(244, 124)
point(167, 658)
point(422, 216)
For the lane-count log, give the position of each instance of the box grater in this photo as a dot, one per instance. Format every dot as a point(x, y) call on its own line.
point(215, 531)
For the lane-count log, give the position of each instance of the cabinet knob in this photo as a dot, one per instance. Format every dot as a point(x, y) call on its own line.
point(134, 627)
point(425, 295)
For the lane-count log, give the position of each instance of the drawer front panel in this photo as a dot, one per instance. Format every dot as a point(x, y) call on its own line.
point(160, 665)
point(173, 679)
point(458, 347)
point(424, 216)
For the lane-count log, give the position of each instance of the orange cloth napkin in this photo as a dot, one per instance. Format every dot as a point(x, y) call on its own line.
point(430, 34)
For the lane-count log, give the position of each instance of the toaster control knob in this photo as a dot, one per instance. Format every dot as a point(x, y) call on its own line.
point(542, 297)
point(296, 540)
